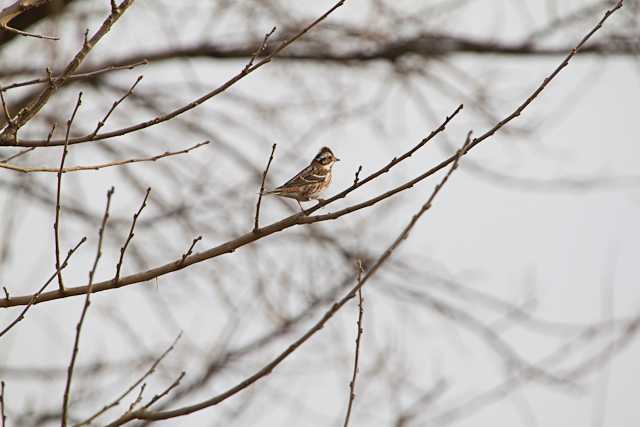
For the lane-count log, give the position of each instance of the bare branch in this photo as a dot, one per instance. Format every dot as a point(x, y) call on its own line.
point(133, 386)
point(85, 308)
point(3, 417)
point(190, 250)
point(56, 224)
point(5, 108)
point(352, 384)
point(77, 76)
point(260, 49)
point(27, 169)
point(115, 104)
point(37, 294)
point(264, 176)
point(130, 236)
point(19, 7)
point(166, 391)
point(357, 177)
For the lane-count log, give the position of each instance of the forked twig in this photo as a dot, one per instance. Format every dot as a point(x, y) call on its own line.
point(37, 294)
point(133, 386)
point(260, 49)
point(115, 105)
point(166, 391)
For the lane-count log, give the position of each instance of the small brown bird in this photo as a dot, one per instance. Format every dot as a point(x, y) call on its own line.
point(310, 181)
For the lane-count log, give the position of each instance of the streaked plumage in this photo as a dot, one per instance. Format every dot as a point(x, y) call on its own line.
point(310, 181)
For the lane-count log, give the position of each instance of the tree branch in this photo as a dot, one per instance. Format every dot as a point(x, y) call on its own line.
point(85, 308)
point(33, 169)
point(264, 176)
point(56, 224)
point(352, 384)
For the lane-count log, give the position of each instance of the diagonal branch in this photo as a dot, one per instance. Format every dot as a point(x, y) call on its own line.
point(130, 236)
point(118, 399)
point(115, 105)
point(85, 308)
point(37, 294)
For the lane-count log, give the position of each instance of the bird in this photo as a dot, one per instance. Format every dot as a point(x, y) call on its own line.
point(310, 181)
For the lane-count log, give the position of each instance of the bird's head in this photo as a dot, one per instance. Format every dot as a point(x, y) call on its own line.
point(325, 158)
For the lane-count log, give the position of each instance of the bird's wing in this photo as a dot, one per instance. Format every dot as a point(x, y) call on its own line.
point(308, 175)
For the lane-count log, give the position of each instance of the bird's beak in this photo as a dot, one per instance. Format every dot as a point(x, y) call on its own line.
point(337, 159)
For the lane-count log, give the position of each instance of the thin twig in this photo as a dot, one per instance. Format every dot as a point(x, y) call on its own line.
point(5, 109)
point(27, 150)
point(56, 224)
point(138, 398)
point(2, 415)
point(85, 308)
point(260, 49)
point(130, 236)
point(357, 177)
point(77, 76)
point(18, 154)
point(352, 384)
point(18, 8)
point(190, 250)
point(115, 105)
point(118, 399)
point(264, 176)
point(39, 169)
point(166, 391)
point(42, 288)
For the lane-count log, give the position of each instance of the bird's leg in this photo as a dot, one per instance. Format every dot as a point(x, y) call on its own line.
point(299, 204)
